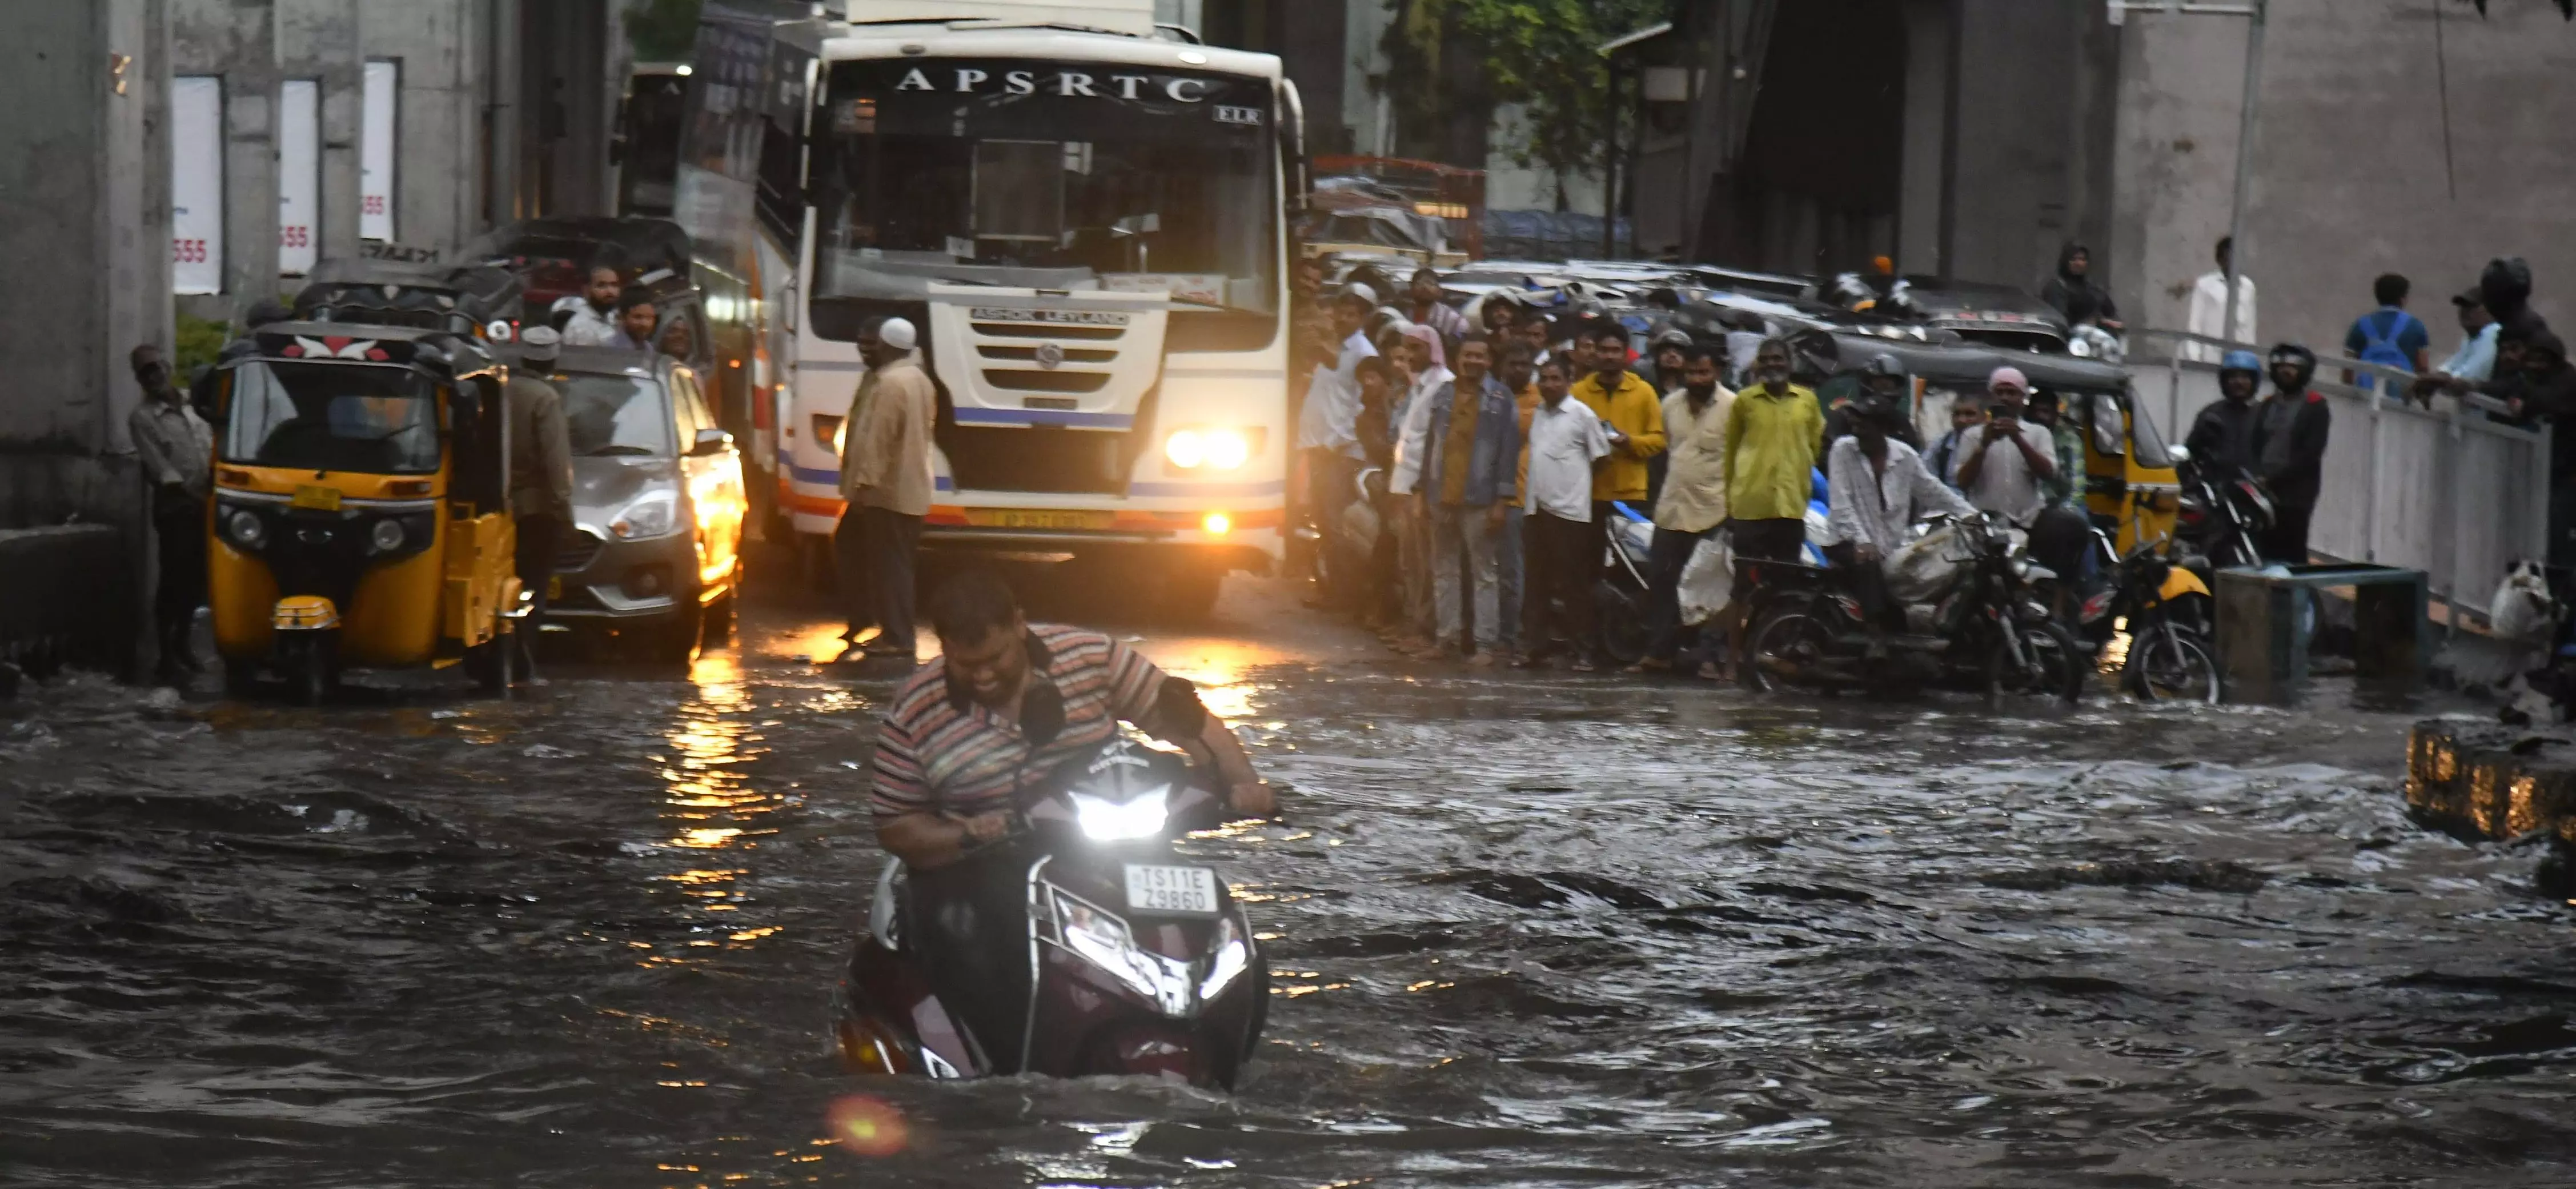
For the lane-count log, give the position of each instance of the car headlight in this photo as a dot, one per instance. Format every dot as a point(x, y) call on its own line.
point(1104, 820)
point(1217, 449)
point(1105, 941)
point(654, 514)
point(248, 530)
point(387, 536)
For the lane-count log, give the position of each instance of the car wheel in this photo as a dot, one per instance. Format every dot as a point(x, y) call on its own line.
point(673, 641)
point(719, 616)
point(1190, 592)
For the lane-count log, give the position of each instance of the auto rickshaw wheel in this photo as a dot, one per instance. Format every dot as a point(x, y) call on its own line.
point(489, 663)
point(312, 672)
point(241, 677)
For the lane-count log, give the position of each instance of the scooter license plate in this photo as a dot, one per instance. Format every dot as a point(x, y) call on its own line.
point(1171, 889)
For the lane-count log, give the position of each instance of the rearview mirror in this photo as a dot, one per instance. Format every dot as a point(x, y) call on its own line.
point(710, 442)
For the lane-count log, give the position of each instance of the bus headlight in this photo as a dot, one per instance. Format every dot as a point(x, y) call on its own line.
point(1215, 449)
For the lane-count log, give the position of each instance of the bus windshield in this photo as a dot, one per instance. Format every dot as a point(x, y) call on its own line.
point(1038, 175)
point(332, 417)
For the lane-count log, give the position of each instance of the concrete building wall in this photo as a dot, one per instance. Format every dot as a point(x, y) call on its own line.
point(2022, 178)
point(236, 40)
point(2349, 178)
point(438, 196)
point(85, 220)
point(318, 40)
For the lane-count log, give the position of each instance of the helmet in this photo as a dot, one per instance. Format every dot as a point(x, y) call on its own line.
point(1872, 407)
point(2298, 357)
point(1672, 336)
point(2240, 361)
point(1882, 364)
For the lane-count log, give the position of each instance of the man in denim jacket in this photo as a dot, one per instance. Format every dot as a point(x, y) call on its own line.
point(1472, 452)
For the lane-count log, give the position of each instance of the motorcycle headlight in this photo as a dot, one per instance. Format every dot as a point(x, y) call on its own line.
point(248, 530)
point(1104, 820)
point(654, 514)
point(1105, 941)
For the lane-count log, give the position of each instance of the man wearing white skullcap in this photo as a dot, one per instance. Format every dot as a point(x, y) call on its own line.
point(885, 475)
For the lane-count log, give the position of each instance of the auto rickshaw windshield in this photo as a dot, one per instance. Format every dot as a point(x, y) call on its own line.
point(332, 417)
point(607, 415)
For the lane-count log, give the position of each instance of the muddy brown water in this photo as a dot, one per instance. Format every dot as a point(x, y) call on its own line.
point(1527, 931)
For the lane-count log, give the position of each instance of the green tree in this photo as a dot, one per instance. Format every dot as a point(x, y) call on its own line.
point(1541, 54)
point(662, 30)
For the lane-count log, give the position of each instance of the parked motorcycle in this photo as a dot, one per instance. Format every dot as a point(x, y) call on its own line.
point(1619, 595)
point(1986, 628)
point(1140, 959)
point(2223, 516)
point(2161, 604)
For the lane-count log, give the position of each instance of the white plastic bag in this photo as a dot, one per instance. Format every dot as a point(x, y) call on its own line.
point(1708, 579)
point(1919, 572)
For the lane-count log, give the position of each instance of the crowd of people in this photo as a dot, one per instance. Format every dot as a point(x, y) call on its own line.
point(1464, 481)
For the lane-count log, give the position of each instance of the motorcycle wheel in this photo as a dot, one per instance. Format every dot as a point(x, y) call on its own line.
point(2055, 666)
point(1622, 617)
point(1791, 640)
point(2166, 665)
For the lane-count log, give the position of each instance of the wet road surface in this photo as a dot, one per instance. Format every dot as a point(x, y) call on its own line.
point(1527, 931)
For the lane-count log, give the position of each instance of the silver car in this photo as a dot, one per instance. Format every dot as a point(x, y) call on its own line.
point(655, 549)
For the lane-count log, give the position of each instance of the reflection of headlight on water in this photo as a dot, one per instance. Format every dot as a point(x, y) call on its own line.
point(1104, 820)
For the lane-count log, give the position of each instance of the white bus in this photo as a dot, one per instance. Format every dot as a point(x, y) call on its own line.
point(1085, 219)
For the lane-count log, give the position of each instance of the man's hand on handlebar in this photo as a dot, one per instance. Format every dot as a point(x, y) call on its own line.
point(985, 827)
point(1252, 799)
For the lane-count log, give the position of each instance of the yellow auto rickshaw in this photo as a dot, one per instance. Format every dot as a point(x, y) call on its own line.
point(361, 507)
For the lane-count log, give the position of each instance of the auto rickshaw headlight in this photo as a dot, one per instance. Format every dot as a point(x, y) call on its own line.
point(247, 529)
point(387, 536)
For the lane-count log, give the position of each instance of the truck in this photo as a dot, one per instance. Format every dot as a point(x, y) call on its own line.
point(1084, 216)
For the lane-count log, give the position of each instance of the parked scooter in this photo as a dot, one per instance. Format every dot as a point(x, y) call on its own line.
point(1986, 628)
point(1140, 959)
point(2161, 604)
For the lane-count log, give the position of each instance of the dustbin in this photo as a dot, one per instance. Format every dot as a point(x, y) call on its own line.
point(2266, 617)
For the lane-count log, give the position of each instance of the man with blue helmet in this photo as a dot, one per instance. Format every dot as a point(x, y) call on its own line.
point(2222, 437)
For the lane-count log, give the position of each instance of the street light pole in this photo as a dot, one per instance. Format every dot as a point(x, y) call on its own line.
point(2253, 11)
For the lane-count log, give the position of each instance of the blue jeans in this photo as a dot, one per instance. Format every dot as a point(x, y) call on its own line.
point(1508, 560)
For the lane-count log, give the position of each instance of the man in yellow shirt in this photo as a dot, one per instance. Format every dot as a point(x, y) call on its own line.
point(1774, 432)
point(1635, 415)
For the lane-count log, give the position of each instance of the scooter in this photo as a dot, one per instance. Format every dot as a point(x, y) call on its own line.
point(2160, 603)
point(1140, 961)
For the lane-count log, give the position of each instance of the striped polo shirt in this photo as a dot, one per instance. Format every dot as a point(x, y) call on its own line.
point(955, 756)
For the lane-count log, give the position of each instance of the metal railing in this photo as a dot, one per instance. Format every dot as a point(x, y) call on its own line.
point(2446, 489)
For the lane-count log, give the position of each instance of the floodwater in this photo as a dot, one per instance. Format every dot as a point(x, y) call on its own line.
point(1526, 931)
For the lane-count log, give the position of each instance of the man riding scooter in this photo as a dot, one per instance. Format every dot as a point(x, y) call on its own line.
point(1879, 488)
point(1001, 709)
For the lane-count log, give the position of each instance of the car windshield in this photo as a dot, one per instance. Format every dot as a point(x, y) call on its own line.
point(610, 415)
point(1028, 174)
point(332, 417)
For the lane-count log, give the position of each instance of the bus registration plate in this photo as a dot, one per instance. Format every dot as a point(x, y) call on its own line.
point(322, 499)
point(1058, 518)
point(1171, 889)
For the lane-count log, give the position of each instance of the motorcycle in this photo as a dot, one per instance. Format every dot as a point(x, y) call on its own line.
point(1140, 961)
point(1985, 628)
point(2224, 517)
point(2161, 604)
point(1619, 595)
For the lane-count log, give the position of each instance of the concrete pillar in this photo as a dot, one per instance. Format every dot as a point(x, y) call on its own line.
point(85, 221)
point(1927, 136)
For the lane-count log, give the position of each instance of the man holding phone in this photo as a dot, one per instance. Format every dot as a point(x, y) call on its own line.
point(2003, 464)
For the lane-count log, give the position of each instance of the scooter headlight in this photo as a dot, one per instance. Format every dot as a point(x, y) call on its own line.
point(1141, 816)
point(1104, 941)
point(248, 530)
point(1231, 959)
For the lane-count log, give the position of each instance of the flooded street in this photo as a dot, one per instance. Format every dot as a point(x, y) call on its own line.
point(1526, 931)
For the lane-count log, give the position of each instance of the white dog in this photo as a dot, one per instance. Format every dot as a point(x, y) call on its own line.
point(2525, 618)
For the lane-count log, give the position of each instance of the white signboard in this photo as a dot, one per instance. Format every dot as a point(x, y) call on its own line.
point(299, 176)
point(197, 184)
point(377, 130)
